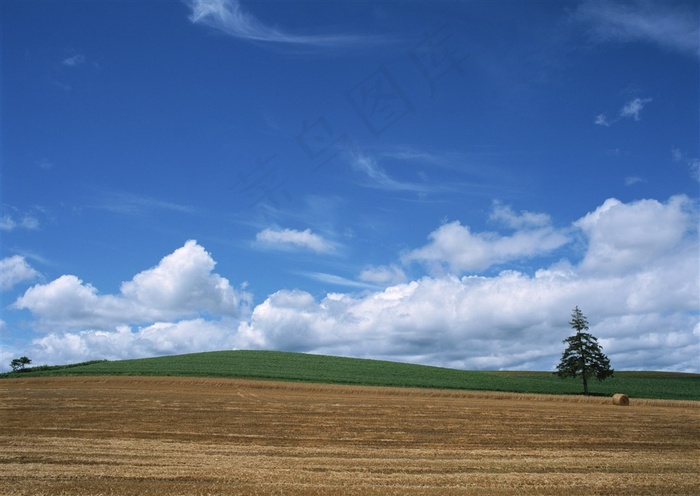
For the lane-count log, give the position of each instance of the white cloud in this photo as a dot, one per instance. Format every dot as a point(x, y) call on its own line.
point(181, 285)
point(291, 238)
point(14, 270)
point(634, 107)
point(623, 237)
point(289, 320)
point(66, 301)
point(228, 16)
point(183, 282)
point(459, 249)
point(670, 25)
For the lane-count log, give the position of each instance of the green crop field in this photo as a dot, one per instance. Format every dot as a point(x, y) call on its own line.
point(302, 367)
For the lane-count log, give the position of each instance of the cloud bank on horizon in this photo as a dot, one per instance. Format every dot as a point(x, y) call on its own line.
point(635, 280)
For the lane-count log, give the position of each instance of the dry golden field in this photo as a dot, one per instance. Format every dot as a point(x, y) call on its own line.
point(144, 435)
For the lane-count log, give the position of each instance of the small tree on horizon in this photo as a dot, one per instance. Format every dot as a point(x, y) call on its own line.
point(583, 356)
point(18, 364)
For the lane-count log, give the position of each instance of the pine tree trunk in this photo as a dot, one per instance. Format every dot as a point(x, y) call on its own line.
point(585, 384)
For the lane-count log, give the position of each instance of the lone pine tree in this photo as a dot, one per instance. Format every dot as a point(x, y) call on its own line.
point(583, 356)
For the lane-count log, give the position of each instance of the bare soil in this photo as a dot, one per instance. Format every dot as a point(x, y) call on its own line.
point(183, 436)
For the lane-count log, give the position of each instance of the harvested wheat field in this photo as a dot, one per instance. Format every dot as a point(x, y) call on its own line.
point(145, 435)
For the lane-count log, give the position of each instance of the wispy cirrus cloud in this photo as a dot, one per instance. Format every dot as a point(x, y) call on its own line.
point(671, 25)
point(229, 17)
point(129, 204)
point(374, 176)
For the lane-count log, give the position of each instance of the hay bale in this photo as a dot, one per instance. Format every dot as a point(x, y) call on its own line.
point(621, 399)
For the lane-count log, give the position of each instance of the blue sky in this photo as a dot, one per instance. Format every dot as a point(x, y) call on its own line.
point(431, 182)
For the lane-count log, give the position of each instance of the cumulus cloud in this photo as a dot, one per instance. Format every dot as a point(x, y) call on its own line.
point(293, 239)
point(181, 285)
point(670, 25)
point(68, 302)
point(229, 17)
point(14, 270)
point(623, 237)
point(457, 248)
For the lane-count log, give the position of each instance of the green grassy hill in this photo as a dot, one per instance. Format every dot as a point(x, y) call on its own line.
point(286, 366)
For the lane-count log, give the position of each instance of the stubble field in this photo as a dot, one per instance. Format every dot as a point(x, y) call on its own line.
point(146, 435)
